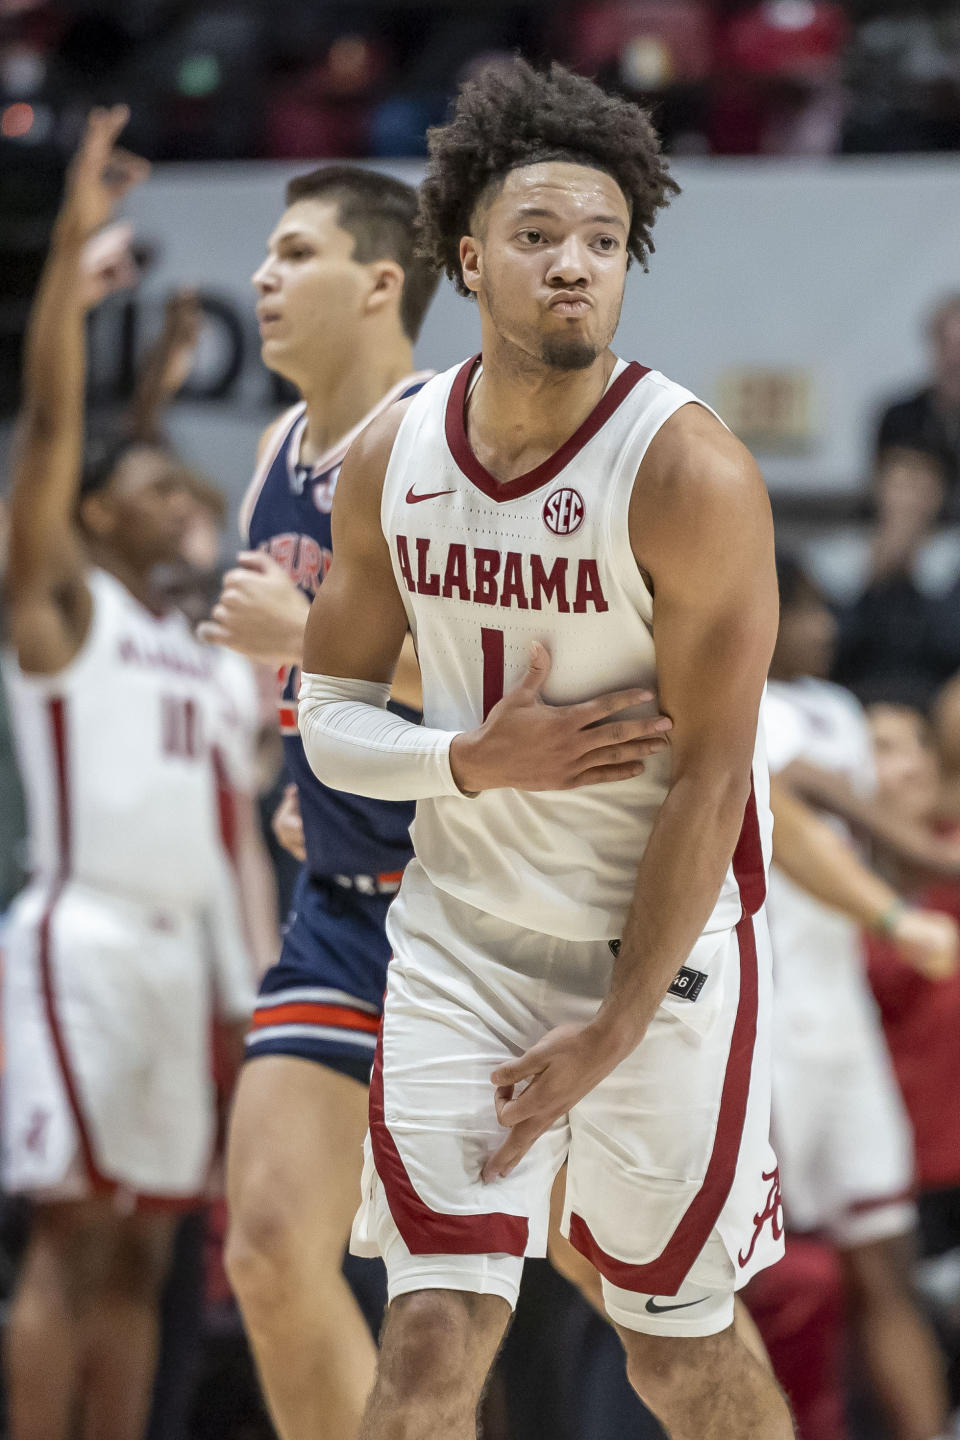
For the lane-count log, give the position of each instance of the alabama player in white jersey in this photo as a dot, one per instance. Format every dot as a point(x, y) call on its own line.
point(130, 923)
point(840, 1127)
point(580, 963)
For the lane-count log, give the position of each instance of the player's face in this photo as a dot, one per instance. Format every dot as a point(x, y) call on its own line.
point(908, 771)
point(145, 510)
point(310, 290)
point(549, 262)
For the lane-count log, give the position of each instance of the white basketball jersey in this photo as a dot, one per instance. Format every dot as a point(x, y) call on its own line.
point(486, 568)
point(115, 755)
point(817, 951)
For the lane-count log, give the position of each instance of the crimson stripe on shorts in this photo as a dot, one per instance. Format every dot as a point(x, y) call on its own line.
point(425, 1231)
point(748, 866)
point(665, 1274)
point(58, 731)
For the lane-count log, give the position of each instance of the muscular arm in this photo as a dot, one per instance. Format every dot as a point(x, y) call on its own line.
point(701, 529)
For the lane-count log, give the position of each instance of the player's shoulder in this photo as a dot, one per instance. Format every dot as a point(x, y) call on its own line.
point(696, 456)
point(374, 445)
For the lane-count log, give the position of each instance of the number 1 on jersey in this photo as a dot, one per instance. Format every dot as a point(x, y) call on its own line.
point(492, 644)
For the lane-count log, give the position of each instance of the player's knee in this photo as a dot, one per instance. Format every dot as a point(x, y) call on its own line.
point(75, 1249)
point(141, 1258)
point(261, 1256)
point(430, 1349)
point(659, 1366)
point(880, 1273)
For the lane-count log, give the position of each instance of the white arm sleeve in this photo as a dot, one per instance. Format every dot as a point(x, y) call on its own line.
point(353, 742)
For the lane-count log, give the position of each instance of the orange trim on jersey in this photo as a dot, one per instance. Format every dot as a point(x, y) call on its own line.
point(390, 877)
point(309, 1014)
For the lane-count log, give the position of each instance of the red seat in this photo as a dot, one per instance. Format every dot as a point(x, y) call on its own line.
point(654, 43)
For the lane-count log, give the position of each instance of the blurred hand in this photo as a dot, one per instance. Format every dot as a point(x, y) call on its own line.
point(107, 264)
point(929, 941)
point(260, 612)
point(100, 174)
point(177, 345)
point(287, 824)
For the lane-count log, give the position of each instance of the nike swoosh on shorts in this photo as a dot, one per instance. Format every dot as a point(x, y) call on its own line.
point(654, 1309)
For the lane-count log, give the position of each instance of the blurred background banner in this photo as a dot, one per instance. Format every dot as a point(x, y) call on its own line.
point(777, 293)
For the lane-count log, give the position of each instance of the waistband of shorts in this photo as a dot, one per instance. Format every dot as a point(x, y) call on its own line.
point(387, 882)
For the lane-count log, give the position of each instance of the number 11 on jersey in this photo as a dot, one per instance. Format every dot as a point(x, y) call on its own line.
point(492, 644)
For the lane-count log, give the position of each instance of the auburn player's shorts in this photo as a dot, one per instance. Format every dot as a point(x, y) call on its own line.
point(323, 999)
point(841, 1130)
point(107, 1086)
point(672, 1188)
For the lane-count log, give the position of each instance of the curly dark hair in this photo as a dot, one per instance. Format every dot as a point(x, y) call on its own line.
point(513, 115)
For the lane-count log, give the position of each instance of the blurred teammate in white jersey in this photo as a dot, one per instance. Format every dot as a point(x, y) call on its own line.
point(130, 926)
point(839, 1122)
point(580, 964)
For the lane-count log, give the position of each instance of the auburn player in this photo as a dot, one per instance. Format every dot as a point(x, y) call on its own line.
point(341, 298)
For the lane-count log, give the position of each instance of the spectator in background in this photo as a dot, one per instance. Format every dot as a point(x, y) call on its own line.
point(896, 638)
point(930, 419)
point(921, 1017)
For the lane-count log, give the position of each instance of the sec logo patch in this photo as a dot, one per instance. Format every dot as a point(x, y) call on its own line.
point(563, 511)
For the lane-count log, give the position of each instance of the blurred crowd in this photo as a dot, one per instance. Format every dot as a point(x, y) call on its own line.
point(363, 77)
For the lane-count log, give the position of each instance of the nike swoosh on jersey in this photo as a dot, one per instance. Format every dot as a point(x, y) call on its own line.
point(654, 1309)
point(413, 499)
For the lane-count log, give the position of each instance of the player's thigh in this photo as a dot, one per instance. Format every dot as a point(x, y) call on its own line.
point(672, 1190)
point(294, 1152)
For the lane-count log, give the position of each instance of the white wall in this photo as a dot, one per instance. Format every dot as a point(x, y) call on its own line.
point(822, 266)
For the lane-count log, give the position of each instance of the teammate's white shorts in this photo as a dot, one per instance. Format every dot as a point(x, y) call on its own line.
point(107, 1085)
point(672, 1187)
point(841, 1130)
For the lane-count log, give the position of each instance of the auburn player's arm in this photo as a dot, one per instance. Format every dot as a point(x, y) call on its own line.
point(47, 593)
point(821, 862)
point(702, 534)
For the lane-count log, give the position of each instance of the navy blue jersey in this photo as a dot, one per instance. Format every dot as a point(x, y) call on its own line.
point(287, 513)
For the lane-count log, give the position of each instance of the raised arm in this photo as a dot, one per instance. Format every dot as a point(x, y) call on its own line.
point(701, 531)
point(47, 595)
point(824, 864)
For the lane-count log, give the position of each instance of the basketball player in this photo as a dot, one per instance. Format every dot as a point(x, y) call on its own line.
point(108, 1105)
point(341, 300)
point(579, 963)
point(839, 1122)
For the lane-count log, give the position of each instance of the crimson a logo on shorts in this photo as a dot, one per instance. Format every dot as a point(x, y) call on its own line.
point(563, 511)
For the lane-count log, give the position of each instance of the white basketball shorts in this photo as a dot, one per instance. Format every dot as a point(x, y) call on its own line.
point(672, 1187)
point(841, 1130)
point(107, 1085)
